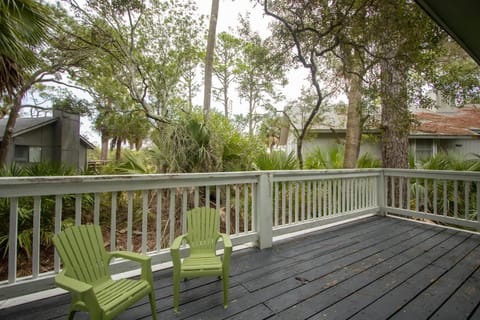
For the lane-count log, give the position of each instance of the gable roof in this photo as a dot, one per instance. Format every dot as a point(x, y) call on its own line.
point(463, 122)
point(460, 19)
point(24, 125)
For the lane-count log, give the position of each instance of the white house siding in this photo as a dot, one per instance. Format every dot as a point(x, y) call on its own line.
point(466, 148)
point(326, 141)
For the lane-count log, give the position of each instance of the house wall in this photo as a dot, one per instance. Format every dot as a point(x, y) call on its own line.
point(43, 137)
point(82, 158)
point(327, 141)
point(464, 148)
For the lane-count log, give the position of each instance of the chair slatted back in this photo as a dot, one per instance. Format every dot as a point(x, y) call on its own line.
point(202, 230)
point(83, 254)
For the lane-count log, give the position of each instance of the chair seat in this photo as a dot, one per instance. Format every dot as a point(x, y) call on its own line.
point(201, 263)
point(114, 294)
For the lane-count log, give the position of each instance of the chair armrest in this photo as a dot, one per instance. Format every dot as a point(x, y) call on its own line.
point(227, 246)
point(71, 284)
point(145, 262)
point(227, 243)
point(175, 250)
point(177, 242)
point(133, 256)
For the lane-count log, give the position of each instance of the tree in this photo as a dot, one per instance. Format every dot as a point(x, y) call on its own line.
point(209, 58)
point(225, 67)
point(403, 43)
point(355, 63)
point(299, 116)
point(311, 33)
point(145, 46)
point(260, 70)
point(454, 75)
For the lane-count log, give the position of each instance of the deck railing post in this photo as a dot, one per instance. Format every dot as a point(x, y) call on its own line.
point(381, 192)
point(264, 211)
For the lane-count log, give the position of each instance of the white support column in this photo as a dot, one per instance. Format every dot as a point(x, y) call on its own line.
point(264, 211)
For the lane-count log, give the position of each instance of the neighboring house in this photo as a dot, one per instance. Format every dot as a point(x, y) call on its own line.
point(455, 131)
point(54, 139)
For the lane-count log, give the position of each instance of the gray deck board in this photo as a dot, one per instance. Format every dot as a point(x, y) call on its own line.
point(374, 268)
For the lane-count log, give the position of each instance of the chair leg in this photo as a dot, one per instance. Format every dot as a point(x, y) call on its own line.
point(151, 296)
point(225, 290)
point(176, 291)
point(71, 314)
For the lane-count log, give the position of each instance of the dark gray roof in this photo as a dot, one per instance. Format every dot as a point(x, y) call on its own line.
point(24, 125)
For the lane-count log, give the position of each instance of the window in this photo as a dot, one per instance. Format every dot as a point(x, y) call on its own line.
point(21, 153)
point(424, 148)
point(28, 154)
point(35, 154)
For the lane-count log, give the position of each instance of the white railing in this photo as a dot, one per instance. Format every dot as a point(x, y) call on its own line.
point(145, 212)
point(304, 199)
point(446, 197)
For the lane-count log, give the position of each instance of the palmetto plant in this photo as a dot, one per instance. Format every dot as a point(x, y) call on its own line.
point(26, 205)
point(332, 158)
point(276, 160)
point(323, 158)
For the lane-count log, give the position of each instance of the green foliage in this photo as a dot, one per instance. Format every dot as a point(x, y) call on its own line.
point(24, 25)
point(48, 169)
point(131, 162)
point(455, 75)
point(190, 145)
point(326, 159)
point(14, 170)
point(148, 53)
point(447, 161)
point(367, 161)
point(37, 170)
point(333, 159)
point(276, 160)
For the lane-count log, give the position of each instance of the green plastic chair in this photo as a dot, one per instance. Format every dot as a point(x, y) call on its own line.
point(202, 236)
point(86, 274)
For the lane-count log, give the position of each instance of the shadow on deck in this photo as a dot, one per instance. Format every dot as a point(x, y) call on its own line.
point(374, 268)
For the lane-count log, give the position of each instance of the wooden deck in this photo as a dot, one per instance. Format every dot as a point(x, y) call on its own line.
point(374, 268)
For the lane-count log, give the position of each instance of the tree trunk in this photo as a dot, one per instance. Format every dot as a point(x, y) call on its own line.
point(225, 100)
point(395, 117)
point(118, 151)
point(395, 124)
point(354, 126)
point(212, 29)
point(12, 119)
point(104, 150)
point(299, 152)
point(7, 135)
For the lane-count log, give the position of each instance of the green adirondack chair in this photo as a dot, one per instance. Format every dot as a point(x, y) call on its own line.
point(202, 236)
point(86, 274)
